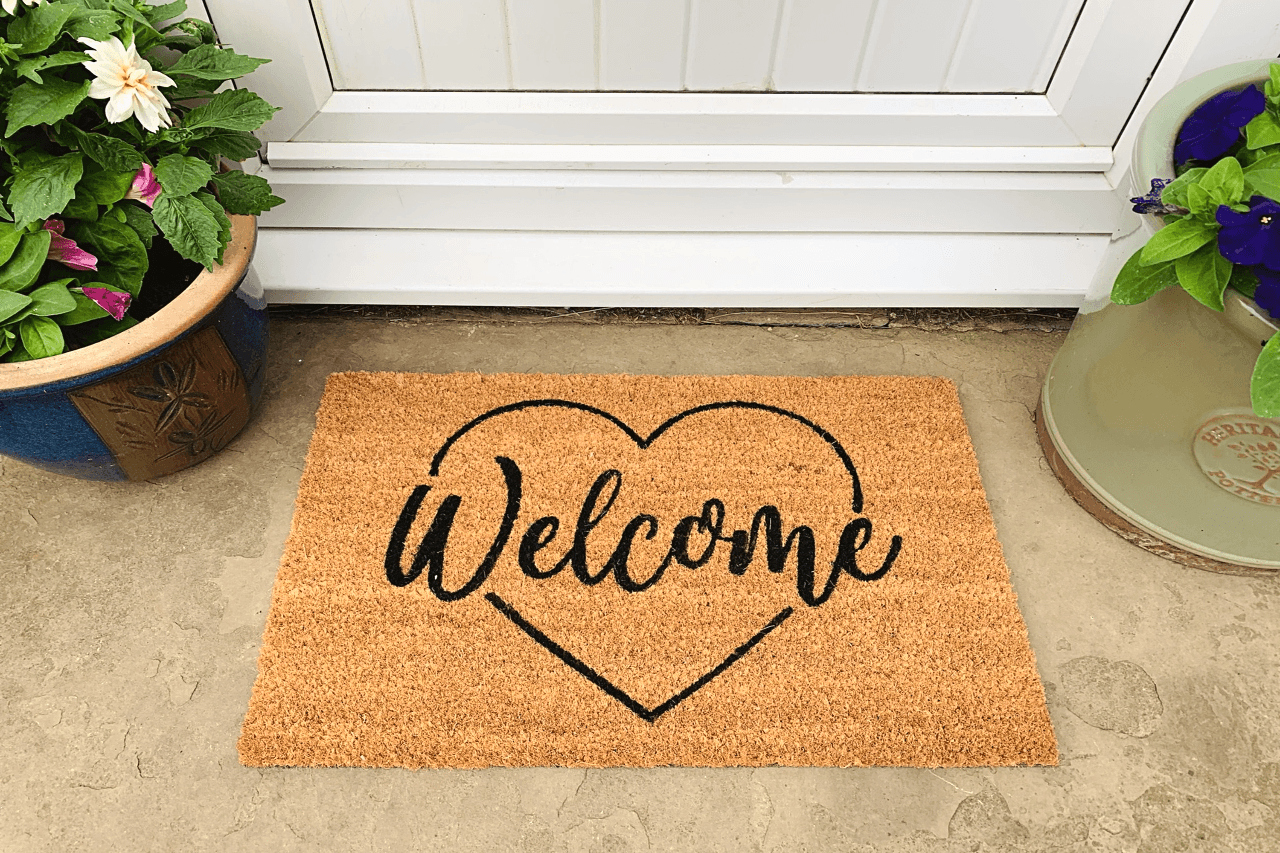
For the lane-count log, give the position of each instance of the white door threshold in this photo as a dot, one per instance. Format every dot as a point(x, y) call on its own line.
point(655, 269)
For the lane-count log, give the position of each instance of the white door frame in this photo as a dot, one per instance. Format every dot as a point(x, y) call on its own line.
point(653, 199)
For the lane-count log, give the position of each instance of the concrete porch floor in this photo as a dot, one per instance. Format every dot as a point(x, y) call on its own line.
point(132, 615)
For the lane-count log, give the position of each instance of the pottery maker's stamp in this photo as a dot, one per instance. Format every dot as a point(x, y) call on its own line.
point(1241, 453)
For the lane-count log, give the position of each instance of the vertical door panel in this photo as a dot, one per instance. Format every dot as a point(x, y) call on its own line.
point(910, 45)
point(371, 44)
point(642, 44)
point(731, 44)
point(820, 44)
point(553, 44)
point(464, 43)
point(1010, 45)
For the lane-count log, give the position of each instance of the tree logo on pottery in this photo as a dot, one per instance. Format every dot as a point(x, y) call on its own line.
point(1241, 453)
point(762, 538)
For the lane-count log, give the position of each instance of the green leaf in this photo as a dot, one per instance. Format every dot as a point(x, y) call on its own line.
point(81, 207)
point(1273, 85)
point(186, 89)
point(96, 24)
point(1263, 130)
point(1176, 192)
point(244, 194)
point(1224, 182)
point(237, 109)
point(167, 12)
point(122, 259)
point(1136, 283)
point(179, 175)
point(235, 145)
point(39, 27)
point(22, 269)
point(1173, 241)
point(52, 299)
point(189, 227)
point(126, 8)
point(1268, 158)
point(7, 341)
point(1204, 274)
point(103, 186)
point(219, 216)
point(44, 188)
point(11, 303)
point(86, 309)
point(190, 32)
point(33, 104)
point(1263, 181)
point(110, 153)
point(139, 219)
point(41, 337)
point(31, 68)
point(1199, 201)
point(9, 239)
point(210, 62)
point(1264, 386)
point(1244, 280)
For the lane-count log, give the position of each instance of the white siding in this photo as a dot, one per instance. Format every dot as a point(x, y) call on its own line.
point(963, 46)
point(464, 43)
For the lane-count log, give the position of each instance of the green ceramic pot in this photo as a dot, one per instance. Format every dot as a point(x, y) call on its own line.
point(1145, 413)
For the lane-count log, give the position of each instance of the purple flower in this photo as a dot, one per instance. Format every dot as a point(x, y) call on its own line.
point(1214, 127)
point(110, 301)
point(1268, 293)
point(65, 251)
point(1253, 237)
point(1150, 203)
point(146, 188)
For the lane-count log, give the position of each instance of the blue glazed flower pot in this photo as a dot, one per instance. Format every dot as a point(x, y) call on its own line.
point(163, 396)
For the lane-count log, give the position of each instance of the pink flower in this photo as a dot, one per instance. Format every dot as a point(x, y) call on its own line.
point(64, 249)
point(145, 186)
point(113, 303)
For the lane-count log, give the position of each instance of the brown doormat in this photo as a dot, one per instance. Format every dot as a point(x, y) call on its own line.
point(602, 571)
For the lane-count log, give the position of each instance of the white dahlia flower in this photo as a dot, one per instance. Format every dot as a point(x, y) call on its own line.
point(128, 83)
point(11, 6)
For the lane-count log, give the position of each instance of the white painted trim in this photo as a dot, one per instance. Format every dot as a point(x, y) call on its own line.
point(1113, 50)
point(1214, 33)
point(693, 201)
point(631, 118)
point(669, 270)
point(771, 158)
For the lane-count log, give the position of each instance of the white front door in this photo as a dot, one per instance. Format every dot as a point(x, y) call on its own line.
point(731, 152)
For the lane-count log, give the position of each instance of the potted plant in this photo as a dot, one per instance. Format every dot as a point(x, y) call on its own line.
point(132, 332)
point(1161, 413)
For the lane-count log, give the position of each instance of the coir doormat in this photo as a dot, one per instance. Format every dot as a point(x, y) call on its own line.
point(636, 571)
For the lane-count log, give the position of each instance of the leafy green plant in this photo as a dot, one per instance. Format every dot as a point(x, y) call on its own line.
point(116, 123)
point(1221, 219)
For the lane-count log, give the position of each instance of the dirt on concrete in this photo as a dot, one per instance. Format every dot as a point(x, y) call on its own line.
point(928, 319)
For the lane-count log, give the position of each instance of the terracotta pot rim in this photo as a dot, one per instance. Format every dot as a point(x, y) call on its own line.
point(186, 311)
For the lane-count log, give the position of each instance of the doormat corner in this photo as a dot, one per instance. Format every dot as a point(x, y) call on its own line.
point(615, 570)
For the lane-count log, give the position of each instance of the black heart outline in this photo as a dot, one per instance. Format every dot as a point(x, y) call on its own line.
point(649, 715)
point(644, 442)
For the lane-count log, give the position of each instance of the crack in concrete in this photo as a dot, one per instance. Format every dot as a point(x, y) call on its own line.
point(577, 790)
point(949, 782)
point(773, 812)
point(124, 741)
